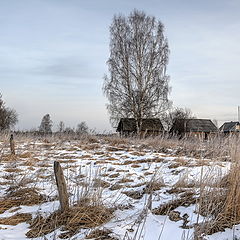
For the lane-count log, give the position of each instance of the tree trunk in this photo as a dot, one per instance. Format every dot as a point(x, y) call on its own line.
point(139, 127)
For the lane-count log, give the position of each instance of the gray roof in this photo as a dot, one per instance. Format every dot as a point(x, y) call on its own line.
point(229, 127)
point(150, 124)
point(193, 125)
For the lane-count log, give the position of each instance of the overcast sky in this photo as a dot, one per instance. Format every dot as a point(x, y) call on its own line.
point(53, 57)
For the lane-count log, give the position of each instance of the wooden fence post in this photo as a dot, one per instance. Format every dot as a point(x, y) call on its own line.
point(12, 145)
point(62, 187)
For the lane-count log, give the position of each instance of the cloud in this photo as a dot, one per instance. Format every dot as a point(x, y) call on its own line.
point(67, 67)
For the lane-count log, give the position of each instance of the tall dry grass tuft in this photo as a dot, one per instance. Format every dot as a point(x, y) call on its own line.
point(220, 204)
point(191, 147)
point(71, 221)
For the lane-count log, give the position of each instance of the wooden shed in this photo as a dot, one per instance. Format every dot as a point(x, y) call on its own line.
point(230, 128)
point(150, 127)
point(201, 128)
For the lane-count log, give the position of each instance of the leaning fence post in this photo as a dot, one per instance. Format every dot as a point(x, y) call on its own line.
point(61, 185)
point(12, 145)
point(150, 201)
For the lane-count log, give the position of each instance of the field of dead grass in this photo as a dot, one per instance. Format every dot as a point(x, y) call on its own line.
point(117, 186)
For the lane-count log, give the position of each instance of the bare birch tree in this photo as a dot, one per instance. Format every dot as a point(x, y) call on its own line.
point(137, 84)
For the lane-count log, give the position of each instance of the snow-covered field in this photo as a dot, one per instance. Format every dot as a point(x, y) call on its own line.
point(133, 181)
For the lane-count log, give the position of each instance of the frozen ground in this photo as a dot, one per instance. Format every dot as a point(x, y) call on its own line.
point(123, 175)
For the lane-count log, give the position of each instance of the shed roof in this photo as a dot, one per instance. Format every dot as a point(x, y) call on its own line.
point(194, 125)
point(229, 127)
point(150, 124)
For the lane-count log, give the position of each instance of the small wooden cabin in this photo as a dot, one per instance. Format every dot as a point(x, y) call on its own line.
point(230, 128)
point(201, 128)
point(150, 127)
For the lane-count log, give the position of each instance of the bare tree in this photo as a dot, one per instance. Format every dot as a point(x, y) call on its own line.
point(137, 85)
point(61, 126)
point(82, 128)
point(8, 117)
point(46, 125)
point(176, 113)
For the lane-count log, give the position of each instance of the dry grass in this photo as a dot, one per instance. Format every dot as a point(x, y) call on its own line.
point(101, 183)
point(30, 162)
point(134, 194)
point(101, 234)
point(175, 165)
point(16, 219)
point(25, 155)
point(99, 153)
point(122, 170)
point(184, 182)
point(5, 183)
point(196, 148)
point(71, 221)
point(11, 170)
point(148, 173)
point(113, 149)
point(114, 175)
point(91, 146)
point(116, 186)
point(22, 196)
point(117, 141)
point(125, 180)
point(186, 200)
point(140, 154)
point(154, 186)
point(44, 165)
point(69, 158)
point(135, 166)
point(8, 158)
point(221, 204)
point(111, 159)
point(101, 162)
point(85, 156)
point(138, 185)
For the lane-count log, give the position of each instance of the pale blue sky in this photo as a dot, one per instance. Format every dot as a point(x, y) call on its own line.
point(53, 57)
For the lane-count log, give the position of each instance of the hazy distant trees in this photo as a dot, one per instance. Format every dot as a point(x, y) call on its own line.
point(69, 130)
point(82, 128)
point(61, 127)
point(137, 85)
point(8, 116)
point(46, 125)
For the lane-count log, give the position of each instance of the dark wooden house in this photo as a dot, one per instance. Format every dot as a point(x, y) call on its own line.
point(201, 128)
point(150, 127)
point(230, 128)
